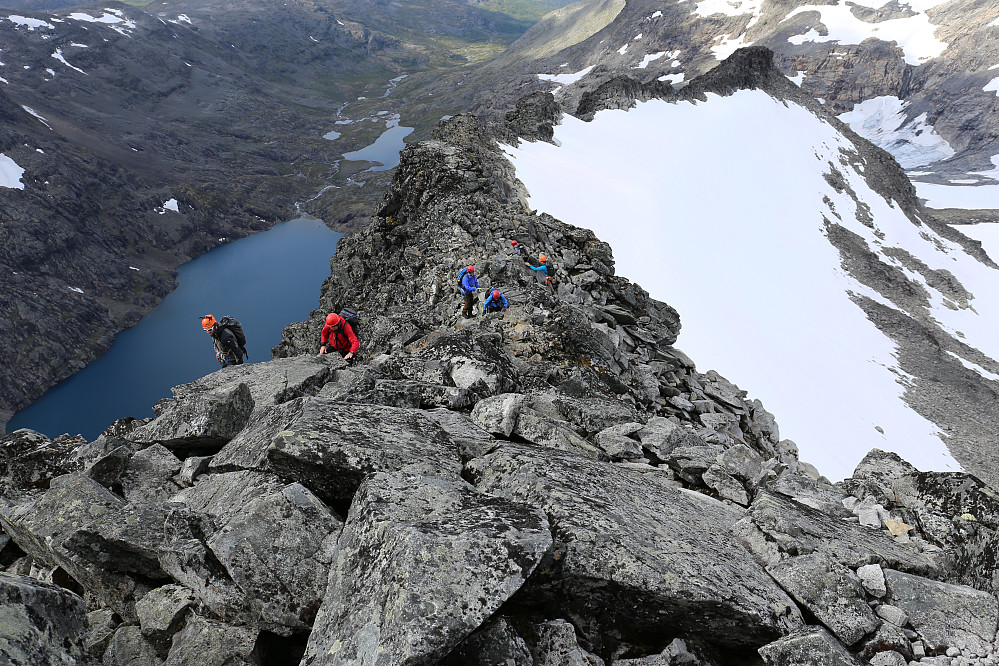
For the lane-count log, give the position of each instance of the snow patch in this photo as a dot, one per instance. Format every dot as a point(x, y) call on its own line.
point(29, 23)
point(968, 197)
point(798, 78)
point(992, 86)
point(76, 289)
point(913, 34)
point(58, 56)
point(10, 173)
point(672, 78)
point(566, 79)
point(762, 292)
point(171, 204)
point(37, 115)
point(623, 49)
point(883, 122)
point(652, 57)
point(975, 367)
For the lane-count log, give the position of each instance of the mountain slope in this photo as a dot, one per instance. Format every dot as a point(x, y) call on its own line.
point(806, 275)
point(923, 73)
point(137, 139)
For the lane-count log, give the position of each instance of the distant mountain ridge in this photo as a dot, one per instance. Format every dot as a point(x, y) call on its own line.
point(930, 67)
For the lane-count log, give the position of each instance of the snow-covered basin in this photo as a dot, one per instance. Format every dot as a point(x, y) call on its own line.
point(717, 209)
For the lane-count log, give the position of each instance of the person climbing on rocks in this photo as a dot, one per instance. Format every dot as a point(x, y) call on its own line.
point(515, 248)
point(338, 336)
point(543, 266)
point(468, 285)
point(228, 337)
point(495, 302)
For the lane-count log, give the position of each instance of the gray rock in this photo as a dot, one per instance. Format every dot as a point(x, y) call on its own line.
point(192, 468)
point(554, 644)
point(675, 654)
point(412, 393)
point(108, 468)
point(807, 647)
point(617, 443)
point(873, 579)
point(874, 475)
point(29, 461)
point(655, 436)
point(448, 558)
point(830, 591)
point(101, 625)
point(589, 415)
point(727, 486)
point(271, 382)
point(472, 440)
point(888, 658)
point(633, 550)
point(496, 642)
point(498, 414)
point(42, 624)
point(542, 430)
point(690, 462)
point(198, 419)
point(744, 464)
point(799, 529)
point(211, 643)
point(329, 447)
point(817, 494)
point(130, 648)
point(892, 614)
point(150, 475)
point(274, 541)
point(161, 612)
point(92, 534)
point(945, 615)
point(887, 638)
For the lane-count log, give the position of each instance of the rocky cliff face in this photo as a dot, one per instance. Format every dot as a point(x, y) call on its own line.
point(554, 484)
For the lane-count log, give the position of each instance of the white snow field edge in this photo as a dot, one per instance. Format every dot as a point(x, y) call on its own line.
point(717, 209)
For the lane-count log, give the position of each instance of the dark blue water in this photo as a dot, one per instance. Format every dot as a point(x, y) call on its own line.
point(385, 150)
point(266, 281)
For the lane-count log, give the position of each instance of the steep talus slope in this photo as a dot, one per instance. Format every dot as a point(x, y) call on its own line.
point(553, 484)
point(919, 282)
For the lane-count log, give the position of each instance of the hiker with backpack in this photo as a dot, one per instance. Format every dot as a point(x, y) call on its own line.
point(495, 302)
point(468, 285)
point(338, 335)
point(544, 266)
point(227, 334)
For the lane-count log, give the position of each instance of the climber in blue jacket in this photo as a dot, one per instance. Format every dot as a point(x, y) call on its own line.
point(468, 285)
point(495, 302)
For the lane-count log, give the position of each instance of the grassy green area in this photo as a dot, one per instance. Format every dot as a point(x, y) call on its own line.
point(524, 10)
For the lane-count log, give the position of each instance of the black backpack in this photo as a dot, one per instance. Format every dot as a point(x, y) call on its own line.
point(351, 318)
point(237, 330)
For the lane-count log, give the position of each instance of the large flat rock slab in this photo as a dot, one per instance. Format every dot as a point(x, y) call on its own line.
point(637, 555)
point(421, 563)
point(270, 382)
point(274, 541)
point(797, 529)
point(40, 624)
point(945, 615)
point(330, 447)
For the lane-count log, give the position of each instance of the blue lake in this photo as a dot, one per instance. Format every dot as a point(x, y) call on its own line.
point(384, 150)
point(266, 281)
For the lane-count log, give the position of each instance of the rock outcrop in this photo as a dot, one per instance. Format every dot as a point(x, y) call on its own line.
point(553, 484)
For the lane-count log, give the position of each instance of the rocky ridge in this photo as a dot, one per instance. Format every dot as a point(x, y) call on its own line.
point(556, 484)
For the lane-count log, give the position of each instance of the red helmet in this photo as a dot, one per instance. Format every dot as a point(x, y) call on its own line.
point(471, 269)
point(513, 243)
point(332, 319)
point(496, 294)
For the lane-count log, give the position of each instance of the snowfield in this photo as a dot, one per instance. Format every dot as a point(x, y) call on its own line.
point(718, 209)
